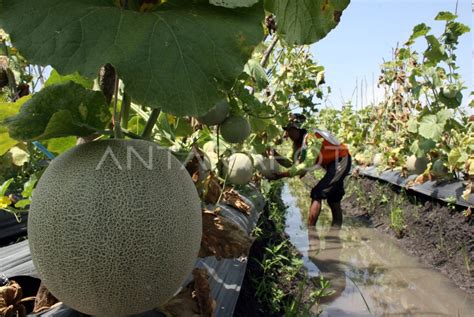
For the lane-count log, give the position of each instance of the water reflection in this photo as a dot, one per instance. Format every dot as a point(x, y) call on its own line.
point(369, 273)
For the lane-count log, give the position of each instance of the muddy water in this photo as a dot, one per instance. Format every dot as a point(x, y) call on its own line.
point(369, 274)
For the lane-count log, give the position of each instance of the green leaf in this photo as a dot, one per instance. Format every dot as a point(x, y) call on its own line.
point(419, 30)
point(412, 125)
point(444, 115)
point(430, 128)
point(182, 128)
point(254, 69)
point(432, 125)
point(445, 16)
point(454, 156)
point(55, 78)
point(22, 203)
point(61, 145)
point(4, 187)
point(58, 111)
point(306, 21)
point(436, 51)
point(178, 57)
point(233, 3)
point(29, 186)
point(8, 110)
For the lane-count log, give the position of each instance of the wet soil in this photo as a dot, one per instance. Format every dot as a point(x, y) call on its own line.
point(439, 235)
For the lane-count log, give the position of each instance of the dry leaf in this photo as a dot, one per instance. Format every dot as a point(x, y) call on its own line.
point(232, 198)
point(468, 191)
point(194, 300)
point(10, 300)
point(212, 189)
point(44, 299)
point(222, 238)
point(182, 305)
point(202, 292)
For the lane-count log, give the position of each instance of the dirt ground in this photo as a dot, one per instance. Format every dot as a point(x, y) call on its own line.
point(438, 235)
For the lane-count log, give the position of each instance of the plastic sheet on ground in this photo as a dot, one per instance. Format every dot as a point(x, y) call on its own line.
point(10, 227)
point(225, 276)
point(447, 191)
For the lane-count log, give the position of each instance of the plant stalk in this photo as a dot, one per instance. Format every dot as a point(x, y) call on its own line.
point(269, 50)
point(125, 110)
point(117, 128)
point(151, 123)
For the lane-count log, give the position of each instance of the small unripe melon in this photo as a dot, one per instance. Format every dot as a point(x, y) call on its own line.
point(268, 166)
point(439, 169)
point(239, 169)
point(235, 129)
point(217, 114)
point(416, 165)
point(114, 227)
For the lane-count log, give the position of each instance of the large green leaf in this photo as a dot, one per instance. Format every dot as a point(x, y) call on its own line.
point(7, 110)
point(432, 125)
point(177, 57)
point(419, 30)
point(306, 21)
point(58, 111)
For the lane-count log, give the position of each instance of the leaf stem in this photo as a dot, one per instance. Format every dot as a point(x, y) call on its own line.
point(117, 128)
point(151, 123)
point(269, 50)
point(125, 110)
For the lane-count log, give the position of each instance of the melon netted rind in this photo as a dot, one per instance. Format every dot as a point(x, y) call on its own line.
point(109, 241)
point(217, 114)
point(239, 169)
point(235, 129)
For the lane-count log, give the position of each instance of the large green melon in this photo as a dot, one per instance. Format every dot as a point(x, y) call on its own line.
point(235, 129)
point(217, 114)
point(114, 227)
point(239, 169)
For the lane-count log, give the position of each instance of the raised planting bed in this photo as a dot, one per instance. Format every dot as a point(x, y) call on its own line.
point(439, 234)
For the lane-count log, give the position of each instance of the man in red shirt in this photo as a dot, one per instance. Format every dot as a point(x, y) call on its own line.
point(312, 148)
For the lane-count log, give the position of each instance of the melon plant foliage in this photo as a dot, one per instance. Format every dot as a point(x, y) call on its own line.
point(178, 55)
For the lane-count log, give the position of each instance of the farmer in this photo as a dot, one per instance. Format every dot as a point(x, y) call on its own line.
point(311, 149)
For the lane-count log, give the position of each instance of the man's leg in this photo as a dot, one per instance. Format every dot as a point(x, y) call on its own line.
point(314, 212)
point(336, 211)
point(336, 195)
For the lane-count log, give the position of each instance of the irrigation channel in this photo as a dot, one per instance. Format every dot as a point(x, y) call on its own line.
point(369, 273)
